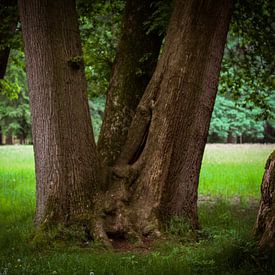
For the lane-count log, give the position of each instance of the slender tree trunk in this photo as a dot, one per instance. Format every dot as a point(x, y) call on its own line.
point(265, 224)
point(231, 138)
point(157, 173)
point(133, 68)
point(9, 140)
point(66, 163)
point(1, 136)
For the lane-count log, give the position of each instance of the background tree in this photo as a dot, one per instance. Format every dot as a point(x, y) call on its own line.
point(234, 123)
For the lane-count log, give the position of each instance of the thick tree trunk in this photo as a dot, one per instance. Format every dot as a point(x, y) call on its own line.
point(265, 224)
point(157, 173)
point(66, 162)
point(133, 68)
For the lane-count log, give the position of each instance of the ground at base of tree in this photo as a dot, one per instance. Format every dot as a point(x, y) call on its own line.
point(224, 244)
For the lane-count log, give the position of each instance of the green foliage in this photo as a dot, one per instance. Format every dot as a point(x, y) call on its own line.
point(248, 65)
point(97, 111)
point(160, 18)
point(9, 16)
point(100, 31)
point(224, 246)
point(231, 119)
point(14, 104)
point(9, 89)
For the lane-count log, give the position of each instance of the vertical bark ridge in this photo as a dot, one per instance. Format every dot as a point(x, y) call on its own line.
point(67, 166)
point(265, 223)
point(183, 90)
point(134, 65)
point(209, 25)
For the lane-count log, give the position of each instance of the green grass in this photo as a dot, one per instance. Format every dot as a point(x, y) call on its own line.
point(225, 244)
point(233, 170)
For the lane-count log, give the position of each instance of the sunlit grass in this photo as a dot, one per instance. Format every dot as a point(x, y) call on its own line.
point(225, 245)
point(233, 170)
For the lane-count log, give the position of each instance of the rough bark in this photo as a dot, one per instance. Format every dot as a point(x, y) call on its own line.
point(265, 224)
point(66, 162)
point(133, 68)
point(157, 173)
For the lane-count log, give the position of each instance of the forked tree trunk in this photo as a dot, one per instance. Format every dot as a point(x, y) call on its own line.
point(157, 174)
point(265, 224)
point(66, 163)
point(133, 68)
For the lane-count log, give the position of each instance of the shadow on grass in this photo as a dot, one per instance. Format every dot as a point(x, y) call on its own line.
point(224, 245)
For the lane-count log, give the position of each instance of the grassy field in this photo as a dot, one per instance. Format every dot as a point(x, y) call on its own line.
point(233, 170)
point(229, 188)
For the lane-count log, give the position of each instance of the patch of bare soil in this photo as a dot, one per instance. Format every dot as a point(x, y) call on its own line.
point(124, 245)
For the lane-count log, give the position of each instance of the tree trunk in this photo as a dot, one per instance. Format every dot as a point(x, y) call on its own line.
point(66, 163)
point(133, 68)
point(231, 138)
point(265, 224)
point(9, 140)
point(8, 19)
point(1, 136)
point(157, 173)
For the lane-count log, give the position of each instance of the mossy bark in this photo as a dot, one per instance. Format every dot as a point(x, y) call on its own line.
point(134, 65)
point(265, 224)
point(156, 175)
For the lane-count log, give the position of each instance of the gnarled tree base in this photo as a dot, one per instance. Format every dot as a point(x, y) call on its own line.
point(265, 224)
